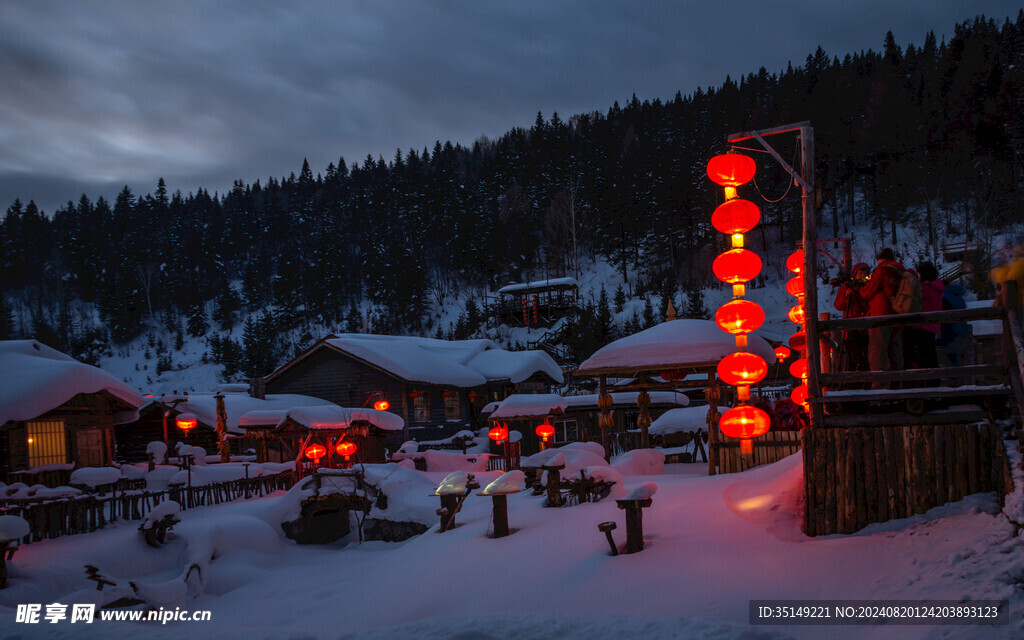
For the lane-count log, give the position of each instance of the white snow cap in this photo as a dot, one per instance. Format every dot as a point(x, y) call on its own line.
point(510, 482)
point(204, 406)
point(628, 398)
point(529, 405)
point(540, 284)
point(13, 528)
point(674, 343)
point(453, 483)
point(680, 420)
point(158, 449)
point(644, 492)
point(35, 379)
point(335, 417)
point(94, 476)
point(460, 363)
point(165, 508)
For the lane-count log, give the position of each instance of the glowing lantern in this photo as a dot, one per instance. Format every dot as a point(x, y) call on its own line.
point(315, 451)
point(498, 434)
point(799, 368)
point(736, 266)
point(447, 394)
point(781, 352)
point(415, 394)
point(472, 395)
point(736, 216)
point(795, 286)
point(742, 368)
point(739, 316)
point(796, 314)
point(186, 422)
point(744, 422)
point(346, 449)
point(381, 405)
point(795, 261)
point(798, 341)
point(731, 169)
point(671, 375)
point(799, 395)
point(545, 430)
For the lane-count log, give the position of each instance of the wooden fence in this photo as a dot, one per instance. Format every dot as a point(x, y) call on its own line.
point(771, 447)
point(859, 476)
point(507, 459)
point(56, 517)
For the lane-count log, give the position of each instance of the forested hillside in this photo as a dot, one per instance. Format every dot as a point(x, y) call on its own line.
point(933, 129)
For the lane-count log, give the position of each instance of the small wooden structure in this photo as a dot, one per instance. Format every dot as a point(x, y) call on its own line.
point(499, 491)
point(674, 355)
point(537, 304)
point(453, 491)
point(634, 503)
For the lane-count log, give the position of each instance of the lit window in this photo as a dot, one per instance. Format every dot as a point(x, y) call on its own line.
point(47, 443)
point(451, 406)
point(421, 408)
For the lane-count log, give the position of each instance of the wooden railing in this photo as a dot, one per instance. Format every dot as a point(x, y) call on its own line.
point(56, 517)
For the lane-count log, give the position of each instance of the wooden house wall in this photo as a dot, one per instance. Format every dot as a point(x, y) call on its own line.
point(132, 439)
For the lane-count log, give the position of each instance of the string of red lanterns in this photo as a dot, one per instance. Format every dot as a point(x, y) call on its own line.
point(737, 266)
point(798, 315)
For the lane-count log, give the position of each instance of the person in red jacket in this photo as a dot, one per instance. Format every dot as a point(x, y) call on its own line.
point(850, 302)
point(885, 344)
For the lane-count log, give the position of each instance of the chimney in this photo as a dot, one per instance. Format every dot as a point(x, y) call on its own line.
point(258, 388)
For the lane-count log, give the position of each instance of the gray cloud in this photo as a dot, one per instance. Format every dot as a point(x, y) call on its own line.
point(96, 95)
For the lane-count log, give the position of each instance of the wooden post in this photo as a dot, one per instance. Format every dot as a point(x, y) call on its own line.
point(825, 346)
point(712, 423)
point(607, 528)
point(500, 512)
point(634, 523)
point(554, 485)
point(604, 402)
point(810, 216)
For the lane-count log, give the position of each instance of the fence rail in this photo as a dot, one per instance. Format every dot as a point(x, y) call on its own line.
point(50, 518)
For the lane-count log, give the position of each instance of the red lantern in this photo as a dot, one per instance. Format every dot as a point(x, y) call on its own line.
point(795, 286)
point(447, 394)
point(736, 216)
point(742, 368)
point(731, 169)
point(736, 266)
point(799, 368)
point(744, 422)
point(472, 395)
point(315, 451)
point(381, 405)
point(346, 449)
point(781, 352)
point(739, 316)
point(795, 261)
point(799, 395)
point(545, 430)
point(798, 341)
point(415, 394)
point(796, 314)
point(186, 422)
point(671, 375)
point(498, 434)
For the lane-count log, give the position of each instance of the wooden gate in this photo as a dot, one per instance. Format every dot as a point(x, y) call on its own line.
point(771, 447)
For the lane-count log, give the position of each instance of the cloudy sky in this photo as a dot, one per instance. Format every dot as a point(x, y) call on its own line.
point(98, 94)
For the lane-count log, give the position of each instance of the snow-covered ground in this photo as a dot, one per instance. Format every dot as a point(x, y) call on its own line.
point(712, 545)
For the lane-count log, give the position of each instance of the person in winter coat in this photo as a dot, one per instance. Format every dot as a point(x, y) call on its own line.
point(885, 344)
point(1011, 270)
point(931, 298)
point(952, 336)
point(849, 301)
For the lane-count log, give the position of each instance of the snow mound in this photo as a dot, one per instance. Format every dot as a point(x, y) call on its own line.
point(94, 476)
point(640, 462)
point(645, 491)
point(13, 528)
point(510, 482)
point(159, 512)
point(453, 484)
point(680, 420)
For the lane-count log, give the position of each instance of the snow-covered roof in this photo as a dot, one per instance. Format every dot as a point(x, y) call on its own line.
point(673, 344)
point(459, 363)
point(35, 379)
point(551, 283)
point(514, 366)
point(529, 405)
point(204, 406)
point(680, 420)
point(335, 417)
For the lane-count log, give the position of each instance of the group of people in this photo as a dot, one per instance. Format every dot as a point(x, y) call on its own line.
point(885, 290)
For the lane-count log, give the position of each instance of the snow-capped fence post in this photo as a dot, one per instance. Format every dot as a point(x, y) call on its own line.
point(605, 420)
point(453, 491)
point(554, 485)
point(12, 530)
point(634, 503)
point(499, 490)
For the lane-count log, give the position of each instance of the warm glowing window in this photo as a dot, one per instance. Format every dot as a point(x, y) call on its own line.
point(46, 442)
point(451, 406)
point(421, 408)
point(566, 431)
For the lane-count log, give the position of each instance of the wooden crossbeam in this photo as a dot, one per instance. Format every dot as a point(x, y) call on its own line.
point(913, 374)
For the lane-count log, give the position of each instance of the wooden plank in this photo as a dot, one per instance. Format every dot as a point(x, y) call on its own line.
point(985, 457)
point(939, 464)
point(960, 464)
point(913, 473)
point(910, 319)
point(825, 519)
point(967, 371)
point(870, 475)
point(889, 445)
point(923, 392)
point(882, 497)
point(860, 483)
point(849, 490)
point(809, 498)
point(949, 434)
point(928, 466)
point(900, 448)
point(972, 458)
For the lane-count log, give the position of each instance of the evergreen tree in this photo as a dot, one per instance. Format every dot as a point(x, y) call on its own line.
point(353, 321)
point(197, 324)
point(620, 299)
point(649, 318)
point(225, 307)
point(695, 307)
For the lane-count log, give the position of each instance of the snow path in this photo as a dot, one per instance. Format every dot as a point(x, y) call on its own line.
point(712, 545)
